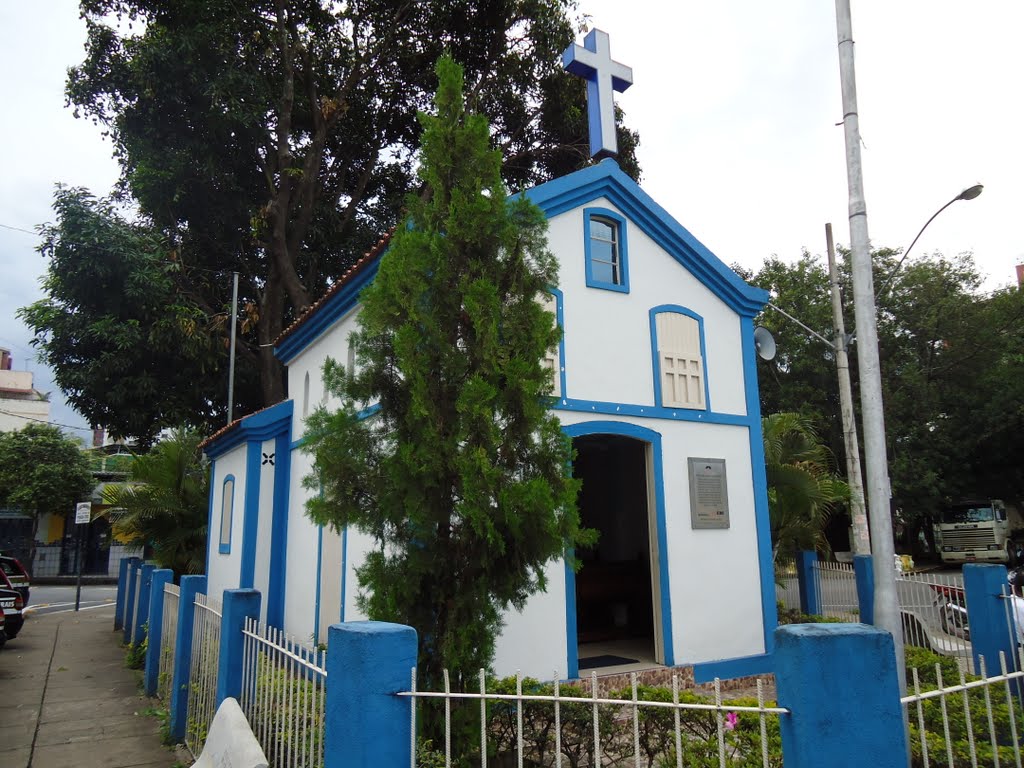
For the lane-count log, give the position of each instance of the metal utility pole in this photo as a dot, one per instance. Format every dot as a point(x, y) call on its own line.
point(887, 612)
point(231, 362)
point(861, 541)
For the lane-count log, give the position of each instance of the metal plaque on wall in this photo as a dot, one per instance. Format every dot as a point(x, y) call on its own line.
point(709, 494)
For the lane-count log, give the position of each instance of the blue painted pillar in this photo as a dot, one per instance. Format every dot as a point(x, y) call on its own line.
point(151, 676)
point(840, 685)
point(129, 604)
point(991, 628)
point(865, 587)
point(810, 602)
point(365, 724)
point(178, 705)
point(122, 590)
point(239, 605)
point(139, 632)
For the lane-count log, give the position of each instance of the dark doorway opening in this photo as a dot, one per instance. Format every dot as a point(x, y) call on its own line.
point(614, 588)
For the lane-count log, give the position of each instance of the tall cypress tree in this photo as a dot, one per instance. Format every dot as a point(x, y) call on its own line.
point(461, 474)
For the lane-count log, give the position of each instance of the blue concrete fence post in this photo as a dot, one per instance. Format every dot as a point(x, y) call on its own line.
point(151, 676)
point(139, 633)
point(365, 724)
point(840, 684)
point(810, 603)
point(991, 627)
point(865, 578)
point(129, 604)
point(238, 605)
point(122, 590)
point(178, 705)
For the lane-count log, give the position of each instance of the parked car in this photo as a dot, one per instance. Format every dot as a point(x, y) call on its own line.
point(11, 603)
point(16, 575)
point(3, 634)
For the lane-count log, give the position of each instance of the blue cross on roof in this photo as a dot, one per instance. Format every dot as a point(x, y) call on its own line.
point(593, 61)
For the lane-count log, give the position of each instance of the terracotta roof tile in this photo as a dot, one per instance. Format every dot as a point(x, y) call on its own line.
point(367, 258)
point(224, 430)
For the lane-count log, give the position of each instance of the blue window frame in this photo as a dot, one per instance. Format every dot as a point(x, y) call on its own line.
point(604, 243)
point(227, 512)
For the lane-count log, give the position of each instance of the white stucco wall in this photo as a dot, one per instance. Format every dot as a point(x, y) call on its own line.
point(300, 568)
point(607, 334)
point(224, 569)
point(264, 524)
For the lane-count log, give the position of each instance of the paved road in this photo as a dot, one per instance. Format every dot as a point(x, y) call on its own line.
point(61, 599)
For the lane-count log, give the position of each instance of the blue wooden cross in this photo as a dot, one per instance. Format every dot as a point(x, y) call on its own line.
point(593, 61)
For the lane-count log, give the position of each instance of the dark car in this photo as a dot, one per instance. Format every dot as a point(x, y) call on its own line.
point(11, 603)
point(3, 634)
point(16, 574)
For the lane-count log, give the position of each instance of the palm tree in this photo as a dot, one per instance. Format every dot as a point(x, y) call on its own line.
point(165, 503)
point(802, 488)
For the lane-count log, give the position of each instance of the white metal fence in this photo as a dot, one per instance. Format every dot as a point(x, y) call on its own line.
point(974, 721)
point(168, 634)
point(283, 694)
point(554, 724)
point(787, 586)
point(202, 693)
point(933, 609)
point(837, 590)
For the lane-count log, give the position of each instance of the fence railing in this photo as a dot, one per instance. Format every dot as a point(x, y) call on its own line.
point(787, 585)
point(837, 590)
point(976, 720)
point(202, 695)
point(137, 619)
point(560, 724)
point(933, 608)
point(284, 689)
point(168, 634)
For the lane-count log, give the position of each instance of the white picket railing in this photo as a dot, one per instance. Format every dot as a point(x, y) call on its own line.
point(137, 601)
point(933, 608)
point(283, 695)
point(562, 725)
point(168, 636)
point(976, 721)
point(837, 590)
point(202, 693)
point(787, 586)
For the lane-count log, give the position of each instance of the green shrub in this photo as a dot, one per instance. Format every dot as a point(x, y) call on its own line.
point(135, 654)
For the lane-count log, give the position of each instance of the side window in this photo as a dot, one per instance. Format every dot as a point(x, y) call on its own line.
point(227, 511)
point(553, 358)
point(305, 396)
point(680, 364)
point(604, 243)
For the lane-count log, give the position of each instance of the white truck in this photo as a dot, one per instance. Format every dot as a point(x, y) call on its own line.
point(978, 530)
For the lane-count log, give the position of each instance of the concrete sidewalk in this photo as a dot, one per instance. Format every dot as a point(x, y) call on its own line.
point(66, 698)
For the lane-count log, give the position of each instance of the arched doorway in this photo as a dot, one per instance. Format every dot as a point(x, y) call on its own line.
point(620, 614)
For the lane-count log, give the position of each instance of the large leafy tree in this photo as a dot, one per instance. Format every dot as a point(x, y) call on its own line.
point(276, 138)
point(460, 475)
point(42, 472)
point(164, 504)
point(952, 373)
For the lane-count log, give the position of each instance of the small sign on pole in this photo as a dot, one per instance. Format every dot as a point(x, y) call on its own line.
point(83, 516)
point(83, 512)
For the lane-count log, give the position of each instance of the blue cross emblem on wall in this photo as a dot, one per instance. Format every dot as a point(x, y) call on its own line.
point(593, 62)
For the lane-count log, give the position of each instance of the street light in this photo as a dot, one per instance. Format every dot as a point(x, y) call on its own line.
point(968, 194)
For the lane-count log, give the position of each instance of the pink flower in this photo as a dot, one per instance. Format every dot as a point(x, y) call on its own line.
point(731, 719)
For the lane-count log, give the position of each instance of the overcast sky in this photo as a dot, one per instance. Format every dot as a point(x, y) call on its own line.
point(736, 102)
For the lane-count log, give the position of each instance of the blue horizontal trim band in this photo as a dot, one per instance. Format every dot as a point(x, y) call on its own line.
point(651, 412)
point(742, 666)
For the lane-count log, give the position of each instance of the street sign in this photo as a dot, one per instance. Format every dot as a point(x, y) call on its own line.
point(83, 512)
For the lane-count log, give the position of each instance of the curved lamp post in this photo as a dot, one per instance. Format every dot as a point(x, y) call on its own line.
point(968, 194)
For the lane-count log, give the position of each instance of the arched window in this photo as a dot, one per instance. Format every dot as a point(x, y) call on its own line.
point(227, 511)
point(305, 396)
point(680, 361)
point(553, 357)
point(604, 243)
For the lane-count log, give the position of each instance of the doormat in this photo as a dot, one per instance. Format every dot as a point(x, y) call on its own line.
point(592, 662)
